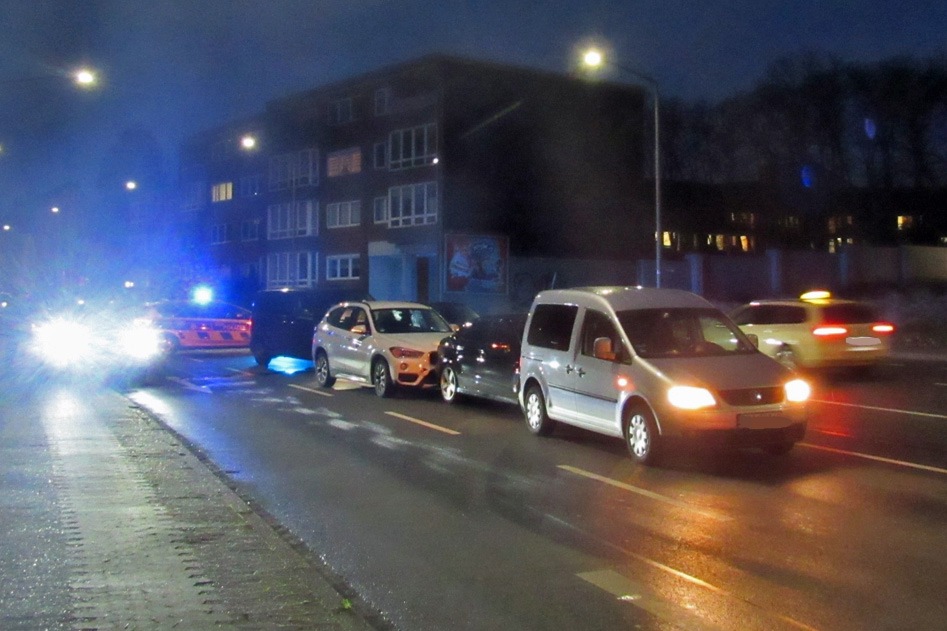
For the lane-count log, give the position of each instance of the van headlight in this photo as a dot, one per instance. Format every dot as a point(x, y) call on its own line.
point(691, 398)
point(797, 391)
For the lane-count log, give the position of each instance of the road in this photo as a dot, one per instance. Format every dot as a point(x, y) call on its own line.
point(456, 517)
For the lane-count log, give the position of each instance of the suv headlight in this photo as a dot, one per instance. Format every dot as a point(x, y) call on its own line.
point(691, 398)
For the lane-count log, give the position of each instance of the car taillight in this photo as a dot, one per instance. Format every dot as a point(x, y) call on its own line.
point(883, 327)
point(828, 330)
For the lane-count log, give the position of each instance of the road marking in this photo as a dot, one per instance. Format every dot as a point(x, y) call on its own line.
point(190, 386)
point(877, 409)
point(423, 423)
point(241, 371)
point(943, 385)
point(900, 463)
point(644, 492)
point(312, 390)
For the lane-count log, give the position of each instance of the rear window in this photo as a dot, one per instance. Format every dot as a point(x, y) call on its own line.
point(849, 313)
point(551, 326)
point(770, 314)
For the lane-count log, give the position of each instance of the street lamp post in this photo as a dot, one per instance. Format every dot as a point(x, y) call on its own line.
point(594, 59)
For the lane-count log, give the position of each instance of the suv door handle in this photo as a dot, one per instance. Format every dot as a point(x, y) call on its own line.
point(578, 370)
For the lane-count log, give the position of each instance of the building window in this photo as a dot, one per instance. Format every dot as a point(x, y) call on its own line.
point(218, 233)
point(250, 185)
point(412, 147)
point(194, 196)
point(343, 214)
point(299, 168)
point(380, 210)
point(221, 192)
point(289, 220)
point(345, 162)
point(905, 222)
point(291, 269)
point(340, 111)
point(381, 155)
point(342, 267)
point(382, 101)
point(412, 205)
point(250, 230)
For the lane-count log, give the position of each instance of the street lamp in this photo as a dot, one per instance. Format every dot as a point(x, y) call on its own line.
point(593, 58)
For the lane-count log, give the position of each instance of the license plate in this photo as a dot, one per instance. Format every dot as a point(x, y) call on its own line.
point(863, 342)
point(762, 420)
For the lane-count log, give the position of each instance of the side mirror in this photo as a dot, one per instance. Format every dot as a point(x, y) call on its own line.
point(602, 349)
point(359, 329)
point(753, 337)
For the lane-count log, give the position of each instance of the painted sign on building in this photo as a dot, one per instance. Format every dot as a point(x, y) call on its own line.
point(476, 263)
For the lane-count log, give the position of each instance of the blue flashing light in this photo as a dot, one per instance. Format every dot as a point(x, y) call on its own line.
point(871, 129)
point(202, 295)
point(808, 176)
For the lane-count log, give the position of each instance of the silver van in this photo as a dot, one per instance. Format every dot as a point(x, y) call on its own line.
point(650, 364)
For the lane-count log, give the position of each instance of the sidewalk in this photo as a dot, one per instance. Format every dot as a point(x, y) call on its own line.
point(110, 522)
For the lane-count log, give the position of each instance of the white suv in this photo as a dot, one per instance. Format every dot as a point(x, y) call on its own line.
point(648, 364)
point(379, 343)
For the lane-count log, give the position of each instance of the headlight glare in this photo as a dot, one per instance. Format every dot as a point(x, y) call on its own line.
point(797, 391)
point(691, 398)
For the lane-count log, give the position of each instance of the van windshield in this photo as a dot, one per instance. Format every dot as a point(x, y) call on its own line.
point(657, 333)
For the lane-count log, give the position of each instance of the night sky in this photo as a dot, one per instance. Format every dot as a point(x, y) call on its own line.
point(173, 67)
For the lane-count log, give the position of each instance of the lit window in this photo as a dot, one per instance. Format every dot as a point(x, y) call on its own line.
point(905, 222)
point(345, 162)
point(222, 192)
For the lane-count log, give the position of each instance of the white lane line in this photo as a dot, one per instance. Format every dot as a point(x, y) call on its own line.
point(312, 390)
point(644, 492)
point(418, 421)
point(241, 371)
point(626, 590)
point(190, 385)
point(900, 463)
point(877, 409)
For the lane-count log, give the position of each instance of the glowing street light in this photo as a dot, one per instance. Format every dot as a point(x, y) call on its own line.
point(131, 185)
point(593, 58)
point(248, 142)
point(84, 78)
point(54, 210)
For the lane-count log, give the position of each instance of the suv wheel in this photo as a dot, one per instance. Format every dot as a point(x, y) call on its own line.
point(381, 377)
point(323, 375)
point(537, 420)
point(641, 435)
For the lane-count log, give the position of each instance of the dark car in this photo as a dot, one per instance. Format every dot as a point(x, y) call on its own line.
point(455, 312)
point(284, 319)
point(482, 359)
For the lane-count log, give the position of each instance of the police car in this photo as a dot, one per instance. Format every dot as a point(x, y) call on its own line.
point(817, 330)
point(186, 325)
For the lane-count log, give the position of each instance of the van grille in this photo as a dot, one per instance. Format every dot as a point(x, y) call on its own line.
point(753, 396)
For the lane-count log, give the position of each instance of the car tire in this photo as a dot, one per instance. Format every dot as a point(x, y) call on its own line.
point(641, 435)
point(261, 356)
point(323, 373)
point(786, 356)
point(537, 419)
point(448, 385)
point(381, 378)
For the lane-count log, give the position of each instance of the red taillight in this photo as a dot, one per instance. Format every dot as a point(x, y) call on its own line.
point(828, 330)
point(883, 327)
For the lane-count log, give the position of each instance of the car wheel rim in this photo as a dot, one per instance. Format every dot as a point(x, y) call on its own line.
point(381, 378)
point(448, 384)
point(322, 369)
point(533, 411)
point(638, 437)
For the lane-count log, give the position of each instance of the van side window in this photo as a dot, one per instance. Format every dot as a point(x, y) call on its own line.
point(595, 325)
point(551, 326)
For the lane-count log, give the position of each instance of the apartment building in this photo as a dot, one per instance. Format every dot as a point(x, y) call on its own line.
point(420, 181)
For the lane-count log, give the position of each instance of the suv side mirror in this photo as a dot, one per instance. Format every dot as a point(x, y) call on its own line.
point(602, 349)
point(359, 329)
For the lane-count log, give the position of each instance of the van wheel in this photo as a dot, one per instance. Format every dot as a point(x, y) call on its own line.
point(381, 376)
point(641, 435)
point(537, 420)
point(786, 356)
point(323, 375)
